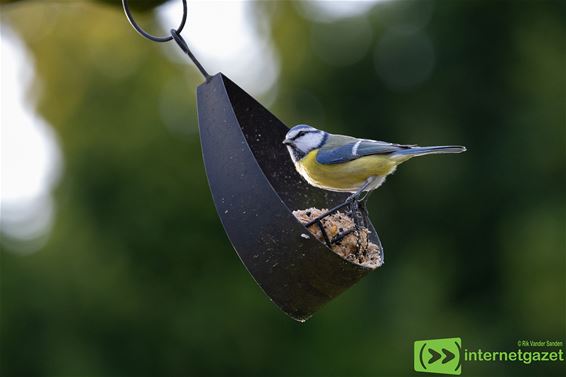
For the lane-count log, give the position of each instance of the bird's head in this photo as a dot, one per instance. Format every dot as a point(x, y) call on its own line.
point(302, 139)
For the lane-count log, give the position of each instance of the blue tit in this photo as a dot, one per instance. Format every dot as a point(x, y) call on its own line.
point(347, 164)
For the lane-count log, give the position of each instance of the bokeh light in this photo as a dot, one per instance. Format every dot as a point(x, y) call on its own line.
point(30, 158)
point(225, 38)
point(329, 11)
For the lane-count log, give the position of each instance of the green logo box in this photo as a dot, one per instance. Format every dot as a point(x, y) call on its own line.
point(441, 356)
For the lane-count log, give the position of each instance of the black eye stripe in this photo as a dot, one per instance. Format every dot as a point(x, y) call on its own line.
point(302, 133)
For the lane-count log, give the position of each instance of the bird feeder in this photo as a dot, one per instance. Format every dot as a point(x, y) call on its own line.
point(255, 189)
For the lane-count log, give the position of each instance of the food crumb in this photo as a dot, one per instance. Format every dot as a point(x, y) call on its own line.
point(354, 247)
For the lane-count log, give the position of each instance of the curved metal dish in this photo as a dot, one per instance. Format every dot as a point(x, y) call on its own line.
point(255, 187)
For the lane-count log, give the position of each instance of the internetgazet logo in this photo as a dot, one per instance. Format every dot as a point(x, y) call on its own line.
point(445, 356)
point(438, 356)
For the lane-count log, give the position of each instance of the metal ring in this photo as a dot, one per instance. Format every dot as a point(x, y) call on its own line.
point(143, 33)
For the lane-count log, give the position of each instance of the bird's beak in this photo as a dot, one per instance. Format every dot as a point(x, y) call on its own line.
point(287, 142)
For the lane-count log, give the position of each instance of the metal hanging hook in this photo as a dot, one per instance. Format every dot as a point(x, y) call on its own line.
point(145, 34)
point(183, 45)
point(175, 35)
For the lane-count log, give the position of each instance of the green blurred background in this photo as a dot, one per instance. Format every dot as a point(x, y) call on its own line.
point(132, 274)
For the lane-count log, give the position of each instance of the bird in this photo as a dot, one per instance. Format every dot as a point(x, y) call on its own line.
point(347, 164)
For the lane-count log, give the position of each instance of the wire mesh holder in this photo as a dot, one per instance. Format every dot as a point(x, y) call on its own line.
point(356, 210)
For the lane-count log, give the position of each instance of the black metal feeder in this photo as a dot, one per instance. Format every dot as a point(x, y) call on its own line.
point(255, 188)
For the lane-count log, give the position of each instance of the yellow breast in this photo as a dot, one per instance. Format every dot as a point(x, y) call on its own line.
point(347, 176)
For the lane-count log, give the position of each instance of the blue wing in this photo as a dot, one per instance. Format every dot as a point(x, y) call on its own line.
point(354, 150)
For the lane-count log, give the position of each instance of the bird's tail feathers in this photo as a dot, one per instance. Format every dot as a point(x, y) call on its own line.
point(421, 151)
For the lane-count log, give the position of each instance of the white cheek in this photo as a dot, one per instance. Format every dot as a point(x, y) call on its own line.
point(309, 141)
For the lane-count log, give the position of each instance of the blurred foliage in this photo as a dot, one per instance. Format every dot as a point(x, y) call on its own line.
point(138, 278)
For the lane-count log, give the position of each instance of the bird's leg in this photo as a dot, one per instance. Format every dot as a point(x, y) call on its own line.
point(360, 191)
point(354, 199)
